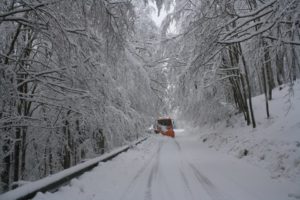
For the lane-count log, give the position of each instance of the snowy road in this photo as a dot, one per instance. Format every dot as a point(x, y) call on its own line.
point(181, 168)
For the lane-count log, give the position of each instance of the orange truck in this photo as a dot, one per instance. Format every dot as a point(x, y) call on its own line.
point(164, 126)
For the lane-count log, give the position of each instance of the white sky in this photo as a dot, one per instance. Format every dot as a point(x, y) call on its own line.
point(163, 13)
point(157, 19)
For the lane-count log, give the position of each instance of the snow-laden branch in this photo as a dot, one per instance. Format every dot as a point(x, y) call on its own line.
point(22, 10)
point(246, 22)
point(283, 40)
point(256, 23)
point(243, 39)
point(250, 14)
point(220, 79)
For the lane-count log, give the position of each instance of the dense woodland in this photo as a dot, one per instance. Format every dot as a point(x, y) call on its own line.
point(229, 51)
point(73, 82)
point(79, 78)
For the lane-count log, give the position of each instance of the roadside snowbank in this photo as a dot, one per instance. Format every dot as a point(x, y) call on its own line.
point(273, 145)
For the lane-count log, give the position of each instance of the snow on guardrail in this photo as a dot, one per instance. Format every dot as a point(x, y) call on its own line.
point(56, 180)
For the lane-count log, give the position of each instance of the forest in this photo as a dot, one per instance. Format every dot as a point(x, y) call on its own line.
point(80, 78)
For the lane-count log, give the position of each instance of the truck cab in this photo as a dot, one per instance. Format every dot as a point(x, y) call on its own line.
point(164, 125)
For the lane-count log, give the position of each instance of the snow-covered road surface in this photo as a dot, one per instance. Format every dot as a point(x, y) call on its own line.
point(181, 168)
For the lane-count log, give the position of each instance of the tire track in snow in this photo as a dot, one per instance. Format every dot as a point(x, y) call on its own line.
point(140, 172)
point(153, 173)
point(181, 171)
point(207, 185)
point(180, 167)
point(143, 168)
point(186, 182)
point(178, 145)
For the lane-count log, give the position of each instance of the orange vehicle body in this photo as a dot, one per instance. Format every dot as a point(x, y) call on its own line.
point(169, 132)
point(167, 125)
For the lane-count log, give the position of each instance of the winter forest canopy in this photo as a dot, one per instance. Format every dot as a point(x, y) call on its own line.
point(79, 78)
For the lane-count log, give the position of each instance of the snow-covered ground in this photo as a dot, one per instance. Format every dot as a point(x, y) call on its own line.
point(275, 143)
point(249, 164)
point(180, 168)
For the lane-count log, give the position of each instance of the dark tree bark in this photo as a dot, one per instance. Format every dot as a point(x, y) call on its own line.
point(238, 85)
point(263, 71)
point(5, 175)
point(248, 86)
point(67, 146)
point(280, 68)
point(269, 71)
point(246, 110)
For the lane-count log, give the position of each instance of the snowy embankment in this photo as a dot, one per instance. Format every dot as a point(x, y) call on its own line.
point(274, 144)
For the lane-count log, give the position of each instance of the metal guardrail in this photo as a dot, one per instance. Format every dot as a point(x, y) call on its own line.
point(53, 182)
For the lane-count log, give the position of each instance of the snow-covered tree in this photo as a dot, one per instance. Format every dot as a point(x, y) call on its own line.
point(228, 47)
point(72, 87)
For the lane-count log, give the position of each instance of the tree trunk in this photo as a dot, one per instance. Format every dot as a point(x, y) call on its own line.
point(245, 101)
point(265, 90)
point(238, 83)
point(279, 66)
point(5, 175)
point(50, 161)
point(23, 157)
point(295, 63)
point(67, 148)
point(17, 156)
point(269, 71)
point(248, 85)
